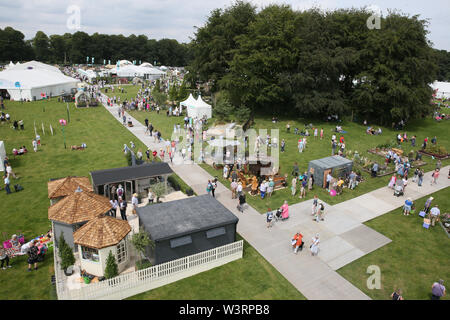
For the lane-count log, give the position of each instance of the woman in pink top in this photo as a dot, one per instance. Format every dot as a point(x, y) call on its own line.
point(435, 175)
point(285, 210)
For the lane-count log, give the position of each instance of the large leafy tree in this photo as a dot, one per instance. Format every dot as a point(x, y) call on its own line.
point(214, 44)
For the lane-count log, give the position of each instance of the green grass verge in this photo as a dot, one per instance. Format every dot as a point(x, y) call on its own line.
point(413, 261)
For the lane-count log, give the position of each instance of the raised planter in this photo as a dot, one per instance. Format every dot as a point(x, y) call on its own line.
point(437, 156)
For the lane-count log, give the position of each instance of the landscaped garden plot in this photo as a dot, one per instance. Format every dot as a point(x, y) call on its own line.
point(413, 261)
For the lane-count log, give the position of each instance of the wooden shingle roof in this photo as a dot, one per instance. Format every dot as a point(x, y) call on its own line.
point(65, 186)
point(101, 232)
point(79, 207)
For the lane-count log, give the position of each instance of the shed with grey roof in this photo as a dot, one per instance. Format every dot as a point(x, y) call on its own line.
point(184, 227)
point(134, 179)
point(336, 165)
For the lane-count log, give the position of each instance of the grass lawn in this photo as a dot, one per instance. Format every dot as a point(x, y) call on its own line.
point(249, 278)
point(26, 211)
point(413, 261)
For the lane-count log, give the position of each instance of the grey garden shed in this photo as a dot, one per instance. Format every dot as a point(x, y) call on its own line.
point(185, 227)
point(134, 179)
point(320, 168)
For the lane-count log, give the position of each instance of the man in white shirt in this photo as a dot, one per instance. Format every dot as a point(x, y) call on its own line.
point(329, 178)
point(6, 181)
point(434, 214)
point(239, 188)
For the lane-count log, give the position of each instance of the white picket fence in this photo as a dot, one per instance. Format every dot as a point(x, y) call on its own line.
point(133, 283)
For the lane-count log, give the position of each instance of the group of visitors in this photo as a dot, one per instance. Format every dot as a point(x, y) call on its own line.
point(298, 243)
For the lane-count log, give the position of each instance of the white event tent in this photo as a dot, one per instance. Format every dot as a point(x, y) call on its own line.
point(190, 101)
point(131, 71)
point(2, 155)
point(443, 89)
point(199, 109)
point(30, 80)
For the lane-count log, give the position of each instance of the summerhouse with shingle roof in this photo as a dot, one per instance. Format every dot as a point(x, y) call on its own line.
point(70, 213)
point(60, 188)
point(97, 238)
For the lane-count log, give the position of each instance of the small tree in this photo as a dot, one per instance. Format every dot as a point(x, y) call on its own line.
point(141, 241)
point(223, 109)
point(65, 253)
point(111, 269)
point(159, 189)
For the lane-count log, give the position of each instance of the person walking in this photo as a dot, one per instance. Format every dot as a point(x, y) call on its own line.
point(6, 181)
point(434, 176)
point(263, 189)
point(420, 177)
point(397, 295)
point(150, 196)
point(297, 242)
point(270, 187)
point(437, 290)
point(123, 208)
point(214, 186)
point(114, 205)
point(321, 133)
point(241, 202)
point(35, 146)
point(315, 245)
point(294, 186)
point(269, 217)
point(134, 202)
point(285, 210)
point(233, 187)
point(315, 205)
point(33, 255)
point(209, 187)
point(283, 145)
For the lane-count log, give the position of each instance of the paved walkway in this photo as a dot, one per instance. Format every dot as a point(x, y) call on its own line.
point(344, 237)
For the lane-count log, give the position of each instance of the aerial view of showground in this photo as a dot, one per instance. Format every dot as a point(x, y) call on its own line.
point(226, 150)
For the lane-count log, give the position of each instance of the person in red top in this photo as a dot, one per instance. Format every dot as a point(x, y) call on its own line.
point(341, 139)
point(297, 242)
point(154, 153)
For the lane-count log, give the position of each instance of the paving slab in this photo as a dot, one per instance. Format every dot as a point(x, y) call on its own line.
point(346, 258)
point(365, 238)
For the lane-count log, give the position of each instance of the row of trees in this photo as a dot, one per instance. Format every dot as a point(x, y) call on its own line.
point(310, 63)
point(74, 48)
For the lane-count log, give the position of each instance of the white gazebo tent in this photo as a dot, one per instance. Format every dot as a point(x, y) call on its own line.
point(190, 101)
point(200, 109)
point(2, 155)
point(443, 89)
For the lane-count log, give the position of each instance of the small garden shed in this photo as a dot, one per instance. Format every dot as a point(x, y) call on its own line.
point(97, 238)
point(134, 179)
point(336, 165)
point(185, 227)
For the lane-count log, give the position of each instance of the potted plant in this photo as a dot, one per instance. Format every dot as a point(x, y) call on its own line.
point(66, 255)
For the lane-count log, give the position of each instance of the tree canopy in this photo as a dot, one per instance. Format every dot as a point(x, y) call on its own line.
point(74, 48)
point(316, 63)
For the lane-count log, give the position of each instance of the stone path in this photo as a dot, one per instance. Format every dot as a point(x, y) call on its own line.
point(344, 237)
